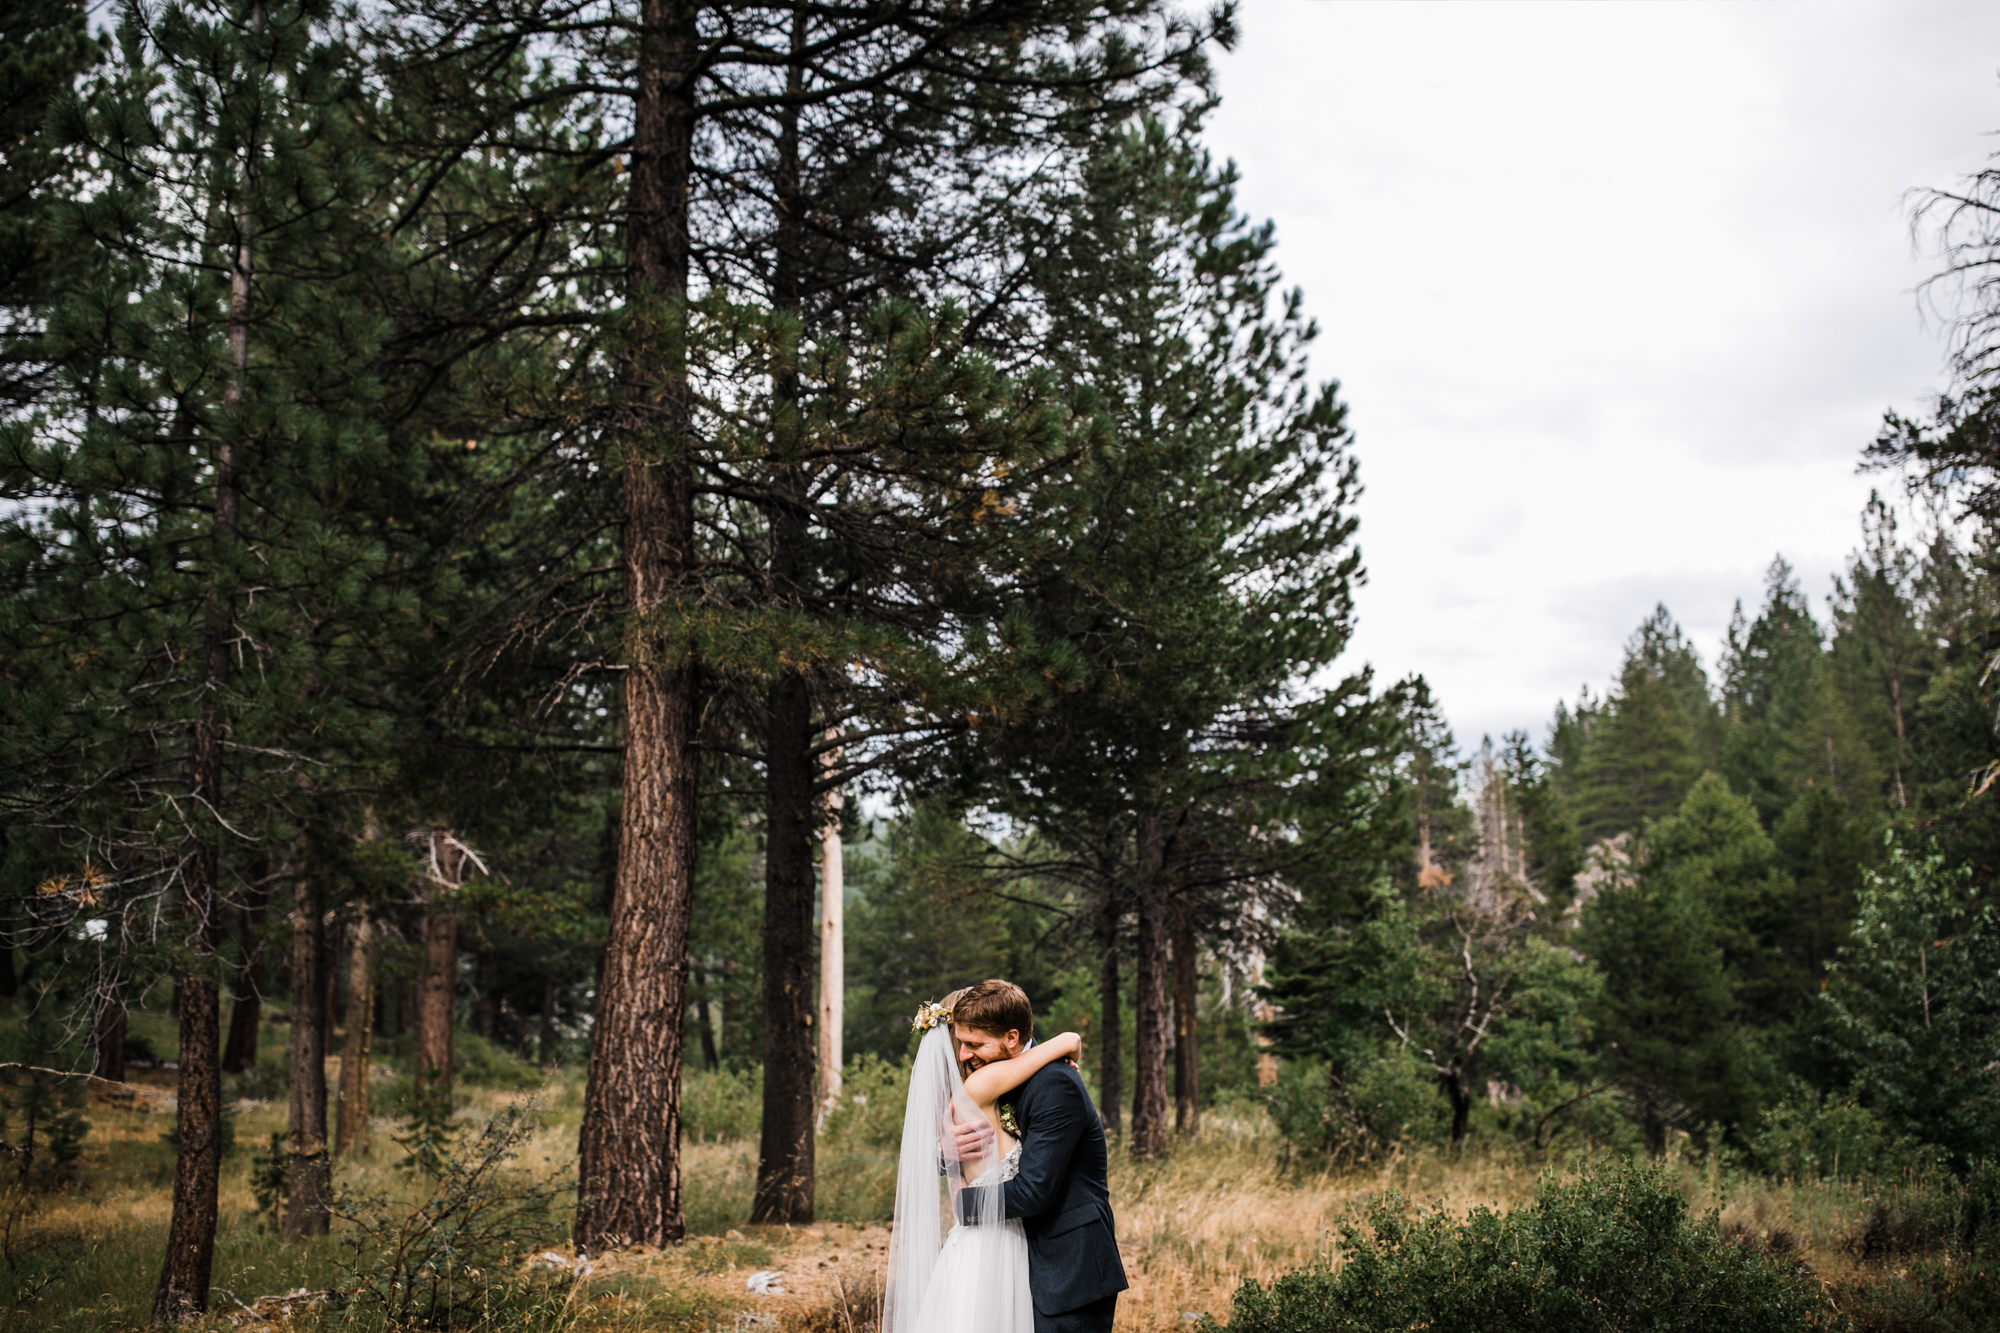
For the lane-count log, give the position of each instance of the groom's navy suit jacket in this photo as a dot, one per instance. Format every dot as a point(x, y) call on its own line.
point(1062, 1195)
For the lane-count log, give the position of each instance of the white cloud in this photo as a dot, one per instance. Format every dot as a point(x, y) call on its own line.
point(1617, 294)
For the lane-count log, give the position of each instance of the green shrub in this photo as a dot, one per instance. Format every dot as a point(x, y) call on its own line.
point(1807, 1136)
point(271, 1180)
point(480, 1063)
point(1614, 1251)
point(265, 1081)
point(857, 1152)
point(870, 1111)
point(1378, 1104)
point(41, 1111)
point(453, 1258)
point(721, 1105)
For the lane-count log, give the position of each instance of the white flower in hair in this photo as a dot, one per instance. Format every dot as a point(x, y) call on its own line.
point(929, 1015)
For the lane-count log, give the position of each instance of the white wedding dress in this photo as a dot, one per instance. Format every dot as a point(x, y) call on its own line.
point(974, 1278)
point(980, 1284)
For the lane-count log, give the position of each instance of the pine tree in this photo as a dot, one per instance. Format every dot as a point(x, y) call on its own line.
point(733, 110)
point(45, 48)
point(1770, 669)
point(1554, 848)
point(1679, 949)
point(1880, 655)
point(1646, 743)
point(190, 478)
point(1203, 574)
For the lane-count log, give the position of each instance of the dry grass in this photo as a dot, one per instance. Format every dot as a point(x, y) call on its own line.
point(1191, 1227)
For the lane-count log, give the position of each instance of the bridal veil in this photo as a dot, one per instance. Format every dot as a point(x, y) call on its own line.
point(923, 1191)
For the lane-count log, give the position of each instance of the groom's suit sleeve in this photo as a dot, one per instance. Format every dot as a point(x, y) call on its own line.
point(1061, 1117)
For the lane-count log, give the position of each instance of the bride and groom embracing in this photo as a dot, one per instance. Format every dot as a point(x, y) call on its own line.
point(1000, 1138)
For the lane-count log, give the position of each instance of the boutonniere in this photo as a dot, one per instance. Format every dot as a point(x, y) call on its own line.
point(1009, 1123)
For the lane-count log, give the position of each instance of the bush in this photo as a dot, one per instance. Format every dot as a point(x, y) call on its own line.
point(857, 1152)
point(480, 1063)
point(41, 1111)
point(454, 1260)
point(870, 1111)
point(265, 1081)
point(1810, 1137)
point(721, 1105)
point(1379, 1104)
point(1960, 1294)
point(1614, 1251)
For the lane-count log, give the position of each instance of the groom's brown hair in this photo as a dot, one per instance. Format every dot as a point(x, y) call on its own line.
point(995, 1008)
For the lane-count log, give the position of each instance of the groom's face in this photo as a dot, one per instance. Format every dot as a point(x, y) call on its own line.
point(976, 1048)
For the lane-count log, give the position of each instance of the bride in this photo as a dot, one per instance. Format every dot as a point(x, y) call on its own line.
point(975, 1279)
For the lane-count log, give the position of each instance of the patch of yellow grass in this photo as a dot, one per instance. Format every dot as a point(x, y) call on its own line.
point(1191, 1227)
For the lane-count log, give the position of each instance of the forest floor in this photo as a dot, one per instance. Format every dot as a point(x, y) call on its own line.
point(84, 1257)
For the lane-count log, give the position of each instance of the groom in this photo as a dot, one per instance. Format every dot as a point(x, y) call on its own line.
point(1061, 1194)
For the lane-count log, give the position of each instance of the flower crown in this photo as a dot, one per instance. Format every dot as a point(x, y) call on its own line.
point(929, 1015)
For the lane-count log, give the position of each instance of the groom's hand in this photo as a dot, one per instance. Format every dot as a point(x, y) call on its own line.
point(972, 1138)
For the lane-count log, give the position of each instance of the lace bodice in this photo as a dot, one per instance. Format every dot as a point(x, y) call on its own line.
point(1003, 1170)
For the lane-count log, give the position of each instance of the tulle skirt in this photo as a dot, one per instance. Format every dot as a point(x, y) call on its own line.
point(980, 1284)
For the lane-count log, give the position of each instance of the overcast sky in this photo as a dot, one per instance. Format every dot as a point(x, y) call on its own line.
point(1617, 293)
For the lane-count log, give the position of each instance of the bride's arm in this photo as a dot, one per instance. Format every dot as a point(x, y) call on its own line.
point(990, 1082)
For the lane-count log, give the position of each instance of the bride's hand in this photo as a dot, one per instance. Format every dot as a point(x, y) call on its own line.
point(1069, 1046)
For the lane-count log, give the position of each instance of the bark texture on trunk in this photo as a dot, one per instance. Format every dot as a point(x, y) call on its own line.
point(435, 986)
point(351, 1127)
point(785, 1157)
point(1110, 1093)
point(629, 1146)
point(308, 1179)
point(1187, 1048)
point(832, 951)
point(190, 1258)
point(1153, 1026)
point(629, 1173)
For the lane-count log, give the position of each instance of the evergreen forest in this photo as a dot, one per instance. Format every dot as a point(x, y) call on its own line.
point(568, 564)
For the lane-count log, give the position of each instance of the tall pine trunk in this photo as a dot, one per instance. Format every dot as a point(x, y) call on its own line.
point(308, 1181)
point(435, 986)
point(785, 1160)
point(1187, 1049)
point(1153, 1024)
point(351, 1128)
point(629, 1185)
point(189, 1263)
point(1111, 1056)
point(785, 1156)
point(832, 949)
